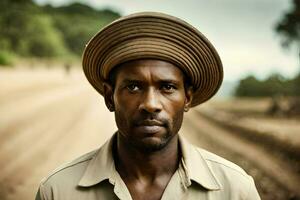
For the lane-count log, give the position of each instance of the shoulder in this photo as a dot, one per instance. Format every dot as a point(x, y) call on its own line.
point(70, 172)
point(218, 162)
point(232, 178)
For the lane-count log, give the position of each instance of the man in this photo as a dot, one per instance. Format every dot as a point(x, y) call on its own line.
point(150, 68)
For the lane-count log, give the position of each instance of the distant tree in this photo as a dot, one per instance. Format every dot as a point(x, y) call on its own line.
point(273, 85)
point(43, 39)
point(248, 87)
point(26, 31)
point(79, 22)
point(296, 85)
point(289, 29)
point(289, 26)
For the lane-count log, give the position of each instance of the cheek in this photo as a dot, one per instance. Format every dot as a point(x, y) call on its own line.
point(175, 103)
point(124, 110)
point(120, 119)
point(177, 119)
point(125, 104)
point(175, 110)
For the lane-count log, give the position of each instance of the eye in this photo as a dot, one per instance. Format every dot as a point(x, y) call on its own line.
point(168, 87)
point(133, 87)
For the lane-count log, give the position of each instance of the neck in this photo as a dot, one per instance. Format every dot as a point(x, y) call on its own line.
point(140, 165)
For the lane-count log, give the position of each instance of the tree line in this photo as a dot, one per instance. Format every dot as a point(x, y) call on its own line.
point(272, 86)
point(288, 27)
point(31, 30)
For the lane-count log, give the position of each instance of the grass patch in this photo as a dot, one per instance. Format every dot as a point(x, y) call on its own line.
point(6, 58)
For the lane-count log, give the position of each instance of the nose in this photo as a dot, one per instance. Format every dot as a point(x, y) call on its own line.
point(151, 102)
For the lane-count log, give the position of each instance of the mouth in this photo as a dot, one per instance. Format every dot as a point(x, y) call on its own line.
point(150, 123)
point(150, 126)
point(149, 129)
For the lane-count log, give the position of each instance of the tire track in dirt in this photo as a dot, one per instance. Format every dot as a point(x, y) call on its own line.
point(23, 165)
point(10, 96)
point(47, 121)
point(276, 169)
point(20, 112)
point(35, 154)
point(75, 131)
point(87, 135)
point(17, 83)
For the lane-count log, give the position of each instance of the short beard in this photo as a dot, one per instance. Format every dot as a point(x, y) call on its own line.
point(147, 147)
point(153, 147)
point(144, 145)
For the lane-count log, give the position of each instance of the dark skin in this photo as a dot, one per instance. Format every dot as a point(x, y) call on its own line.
point(149, 99)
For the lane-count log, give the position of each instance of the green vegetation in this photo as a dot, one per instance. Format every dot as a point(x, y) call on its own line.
point(288, 27)
point(30, 30)
point(274, 85)
point(6, 58)
point(78, 23)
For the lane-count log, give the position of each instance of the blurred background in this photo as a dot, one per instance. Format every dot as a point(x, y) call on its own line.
point(49, 114)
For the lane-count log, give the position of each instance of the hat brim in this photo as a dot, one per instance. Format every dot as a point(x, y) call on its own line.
point(150, 35)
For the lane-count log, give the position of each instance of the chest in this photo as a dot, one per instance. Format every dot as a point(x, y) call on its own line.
point(168, 188)
point(119, 191)
point(171, 192)
point(141, 191)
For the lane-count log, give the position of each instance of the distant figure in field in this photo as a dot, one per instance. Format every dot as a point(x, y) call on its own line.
point(67, 67)
point(150, 68)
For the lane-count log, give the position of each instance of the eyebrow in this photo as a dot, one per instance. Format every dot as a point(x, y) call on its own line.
point(134, 80)
point(128, 80)
point(174, 81)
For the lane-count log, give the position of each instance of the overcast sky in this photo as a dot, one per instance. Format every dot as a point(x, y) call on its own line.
point(241, 30)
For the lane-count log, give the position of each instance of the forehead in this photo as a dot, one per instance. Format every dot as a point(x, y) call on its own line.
point(149, 68)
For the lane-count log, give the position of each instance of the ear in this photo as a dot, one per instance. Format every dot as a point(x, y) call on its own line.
point(108, 93)
point(188, 98)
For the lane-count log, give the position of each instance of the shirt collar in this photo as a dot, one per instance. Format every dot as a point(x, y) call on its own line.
point(102, 167)
point(196, 167)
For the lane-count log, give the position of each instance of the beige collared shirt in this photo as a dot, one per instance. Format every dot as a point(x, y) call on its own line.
point(200, 175)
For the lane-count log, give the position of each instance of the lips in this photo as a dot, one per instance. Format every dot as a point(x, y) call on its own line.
point(150, 126)
point(150, 123)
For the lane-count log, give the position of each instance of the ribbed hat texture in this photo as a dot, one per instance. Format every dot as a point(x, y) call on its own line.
point(152, 35)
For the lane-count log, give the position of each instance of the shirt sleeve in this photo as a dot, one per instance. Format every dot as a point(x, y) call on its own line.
point(252, 191)
point(42, 194)
point(38, 195)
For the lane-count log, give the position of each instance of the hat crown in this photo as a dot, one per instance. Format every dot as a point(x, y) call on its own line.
point(156, 36)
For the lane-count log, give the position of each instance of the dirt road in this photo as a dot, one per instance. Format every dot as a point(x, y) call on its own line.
point(48, 118)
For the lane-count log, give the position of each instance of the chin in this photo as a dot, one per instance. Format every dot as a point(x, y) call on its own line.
point(152, 144)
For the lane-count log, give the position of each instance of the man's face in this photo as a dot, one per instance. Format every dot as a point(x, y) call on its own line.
point(149, 98)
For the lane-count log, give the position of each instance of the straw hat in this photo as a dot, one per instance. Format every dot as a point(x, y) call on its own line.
point(154, 36)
